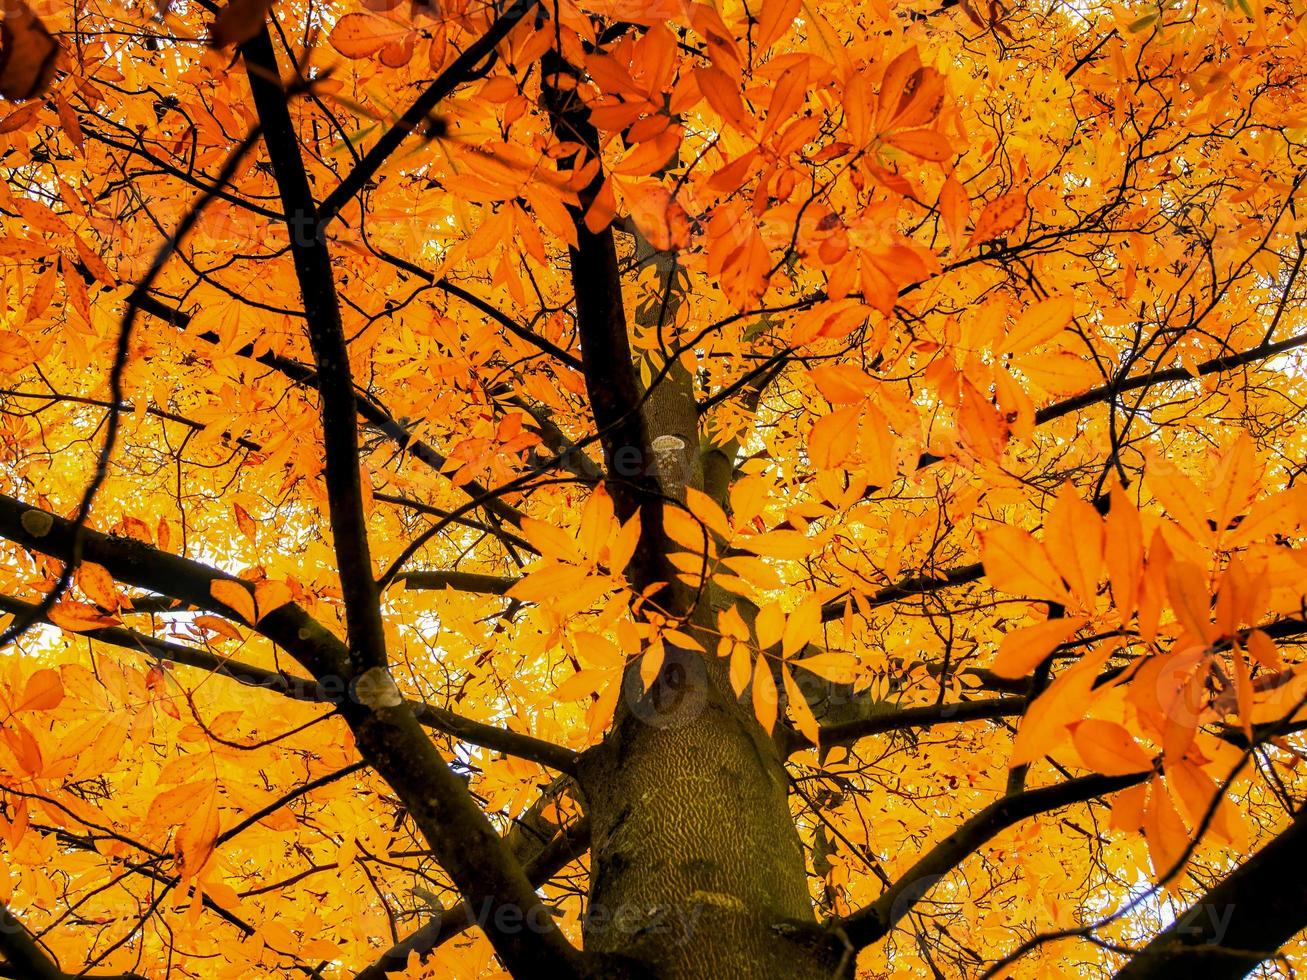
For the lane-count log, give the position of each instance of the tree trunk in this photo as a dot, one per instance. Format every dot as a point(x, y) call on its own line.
point(696, 866)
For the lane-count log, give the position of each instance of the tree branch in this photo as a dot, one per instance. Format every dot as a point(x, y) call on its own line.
point(26, 960)
point(1237, 923)
point(443, 720)
point(927, 716)
point(872, 923)
point(458, 581)
point(906, 588)
point(460, 70)
point(454, 920)
point(385, 730)
point(317, 286)
point(369, 409)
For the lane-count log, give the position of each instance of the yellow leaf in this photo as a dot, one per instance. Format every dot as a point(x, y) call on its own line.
point(766, 703)
point(801, 626)
point(1186, 586)
point(548, 583)
point(651, 662)
point(741, 665)
point(550, 541)
point(798, 708)
point(705, 508)
point(1060, 372)
point(784, 544)
point(769, 625)
point(838, 668)
point(597, 651)
point(755, 571)
point(748, 496)
point(1022, 650)
point(580, 685)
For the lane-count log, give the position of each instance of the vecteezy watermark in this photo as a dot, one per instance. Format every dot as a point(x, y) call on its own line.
point(675, 697)
point(1206, 922)
point(673, 922)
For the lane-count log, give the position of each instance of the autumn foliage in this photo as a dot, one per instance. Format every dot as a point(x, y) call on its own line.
point(651, 488)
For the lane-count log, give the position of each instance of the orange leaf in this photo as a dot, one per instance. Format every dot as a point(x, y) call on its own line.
point(1186, 586)
point(27, 53)
point(1022, 650)
point(1123, 553)
point(832, 439)
point(78, 617)
point(1059, 372)
point(1040, 323)
point(44, 690)
point(243, 521)
point(798, 708)
point(235, 596)
point(801, 626)
point(841, 384)
point(218, 625)
point(1063, 704)
point(1163, 830)
point(550, 541)
point(239, 21)
point(1108, 748)
point(926, 144)
point(360, 35)
point(98, 585)
point(1073, 538)
point(270, 596)
point(954, 209)
point(998, 217)
point(1015, 562)
point(838, 668)
point(775, 19)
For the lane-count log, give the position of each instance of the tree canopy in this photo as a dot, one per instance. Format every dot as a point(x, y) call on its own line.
point(633, 488)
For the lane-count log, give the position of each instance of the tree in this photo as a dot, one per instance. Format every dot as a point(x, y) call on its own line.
point(636, 490)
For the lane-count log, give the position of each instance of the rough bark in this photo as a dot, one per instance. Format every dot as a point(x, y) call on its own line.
point(696, 864)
